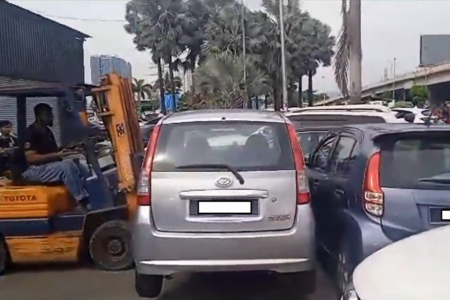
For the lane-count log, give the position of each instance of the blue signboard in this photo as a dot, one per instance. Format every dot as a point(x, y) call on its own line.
point(170, 104)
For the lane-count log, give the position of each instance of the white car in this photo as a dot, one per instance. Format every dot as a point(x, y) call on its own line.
point(415, 268)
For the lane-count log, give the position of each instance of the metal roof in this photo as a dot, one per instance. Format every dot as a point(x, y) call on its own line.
point(38, 18)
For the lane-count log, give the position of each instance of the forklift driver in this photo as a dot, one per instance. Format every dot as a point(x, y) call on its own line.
point(44, 163)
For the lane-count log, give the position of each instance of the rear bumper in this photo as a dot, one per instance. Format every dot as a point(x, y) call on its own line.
point(164, 253)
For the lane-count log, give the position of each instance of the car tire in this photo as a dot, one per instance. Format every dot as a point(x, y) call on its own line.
point(304, 281)
point(344, 268)
point(4, 255)
point(110, 246)
point(148, 286)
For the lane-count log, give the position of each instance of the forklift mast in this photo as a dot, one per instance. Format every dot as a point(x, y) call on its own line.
point(117, 108)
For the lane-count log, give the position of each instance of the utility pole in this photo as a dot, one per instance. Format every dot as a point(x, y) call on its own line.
point(393, 79)
point(355, 52)
point(283, 56)
point(245, 102)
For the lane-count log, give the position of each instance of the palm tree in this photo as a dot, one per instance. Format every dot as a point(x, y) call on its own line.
point(141, 89)
point(349, 53)
point(221, 78)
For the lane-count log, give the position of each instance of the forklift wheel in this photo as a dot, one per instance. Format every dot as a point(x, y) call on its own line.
point(3, 256)
point(110, 246)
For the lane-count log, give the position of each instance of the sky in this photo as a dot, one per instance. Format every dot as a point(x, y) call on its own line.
point(390, 31)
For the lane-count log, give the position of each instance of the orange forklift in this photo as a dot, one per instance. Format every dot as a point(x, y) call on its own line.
point(37, 221)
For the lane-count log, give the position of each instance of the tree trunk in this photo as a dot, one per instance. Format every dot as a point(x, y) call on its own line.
point(310, 89)
point(257, 102)
point(139, 104)
point(300, 91)
point(193, 80)
point(249, 102)
point(161, 87)
point(276, 97)
point(266, 100)
point(172, 85)
point(355, 75)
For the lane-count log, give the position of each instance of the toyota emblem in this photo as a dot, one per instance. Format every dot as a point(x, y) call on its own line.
point(224, 182)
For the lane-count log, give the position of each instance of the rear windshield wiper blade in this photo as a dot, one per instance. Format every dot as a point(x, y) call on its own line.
point(215, 166)
point(435, 180)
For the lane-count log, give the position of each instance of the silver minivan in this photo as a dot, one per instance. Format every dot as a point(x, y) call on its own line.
point(220, 191)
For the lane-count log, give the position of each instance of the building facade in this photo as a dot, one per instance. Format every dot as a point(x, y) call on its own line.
point(104, 64)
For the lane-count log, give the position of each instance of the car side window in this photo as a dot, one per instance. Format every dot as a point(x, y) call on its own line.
point(320, 157)
point(343, 155)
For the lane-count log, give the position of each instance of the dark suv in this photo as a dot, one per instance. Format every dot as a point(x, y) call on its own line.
point(374, 184)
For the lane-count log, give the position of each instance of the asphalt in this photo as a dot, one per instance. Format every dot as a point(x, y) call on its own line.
point(72, 283)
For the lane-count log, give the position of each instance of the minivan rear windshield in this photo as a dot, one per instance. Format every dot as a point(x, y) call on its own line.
point(416, 162)
point(245, 146)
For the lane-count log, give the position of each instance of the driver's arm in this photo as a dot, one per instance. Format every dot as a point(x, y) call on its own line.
point(31, 142)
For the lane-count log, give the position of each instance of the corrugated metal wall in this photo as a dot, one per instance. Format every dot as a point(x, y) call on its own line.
point(36, 48)
point(53, 102)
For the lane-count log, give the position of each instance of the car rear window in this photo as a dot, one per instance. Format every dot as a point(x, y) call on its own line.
point(246, 146)
point(415, 161)
point(332, 120)
point(310, 139)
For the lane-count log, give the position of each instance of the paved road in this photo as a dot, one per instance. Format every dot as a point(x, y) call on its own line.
point(76, 284)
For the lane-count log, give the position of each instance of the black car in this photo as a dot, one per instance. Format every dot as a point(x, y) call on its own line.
point(374, 184)
point(310, 136)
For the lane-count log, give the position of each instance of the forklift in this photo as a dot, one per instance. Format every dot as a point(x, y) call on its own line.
point(37, 220)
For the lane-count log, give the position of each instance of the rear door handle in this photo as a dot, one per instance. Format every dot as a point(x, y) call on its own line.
point(338, 193)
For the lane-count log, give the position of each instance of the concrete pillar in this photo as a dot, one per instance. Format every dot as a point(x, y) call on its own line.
point(439, 93)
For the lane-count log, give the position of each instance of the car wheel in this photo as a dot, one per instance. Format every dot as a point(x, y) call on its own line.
point(4, 255)
point(305, 281)
point(344, 268)
point(148, 286)
point(110, 246)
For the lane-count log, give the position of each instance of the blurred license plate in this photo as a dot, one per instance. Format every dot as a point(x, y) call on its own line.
point(225, 207)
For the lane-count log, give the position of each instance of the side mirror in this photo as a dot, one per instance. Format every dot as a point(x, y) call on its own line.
point(410, 117)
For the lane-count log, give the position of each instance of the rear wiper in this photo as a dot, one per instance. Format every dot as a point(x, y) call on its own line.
point(215, 166)
point(436, 180)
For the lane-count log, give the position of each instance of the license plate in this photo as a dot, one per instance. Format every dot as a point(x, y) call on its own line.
point(439, 215)
point(225, 207)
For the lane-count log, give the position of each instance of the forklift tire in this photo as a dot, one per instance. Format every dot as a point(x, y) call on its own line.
point(4, 255)
point(110, 246)
point(148, 286)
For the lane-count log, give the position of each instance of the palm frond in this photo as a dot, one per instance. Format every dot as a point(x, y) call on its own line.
point(342, 57)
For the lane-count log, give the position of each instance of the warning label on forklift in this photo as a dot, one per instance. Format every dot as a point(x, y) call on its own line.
point(19, 198)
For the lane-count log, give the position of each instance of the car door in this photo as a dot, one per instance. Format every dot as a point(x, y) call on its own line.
point(318, 181)
point(342, 191)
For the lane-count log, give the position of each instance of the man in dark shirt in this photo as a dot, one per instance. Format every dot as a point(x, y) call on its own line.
point(46, 164)
point(7, 142)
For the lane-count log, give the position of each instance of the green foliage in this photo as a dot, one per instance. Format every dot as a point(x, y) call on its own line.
point(419, 91)
point(211, 34)
point(403, 104)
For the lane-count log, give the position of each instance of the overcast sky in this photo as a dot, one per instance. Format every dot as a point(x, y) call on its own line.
point(390, 29)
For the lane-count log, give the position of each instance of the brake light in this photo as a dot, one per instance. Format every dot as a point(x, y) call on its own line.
point(372, 193)
point(303, 196)
point(144, 184)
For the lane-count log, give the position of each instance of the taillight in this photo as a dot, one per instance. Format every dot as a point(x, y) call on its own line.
point(372, 193)
point(303, 196)
point(144, 184)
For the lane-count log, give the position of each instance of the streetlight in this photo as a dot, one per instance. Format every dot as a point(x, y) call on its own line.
point(393, 66)
point(283, 56)
point(245, 102)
